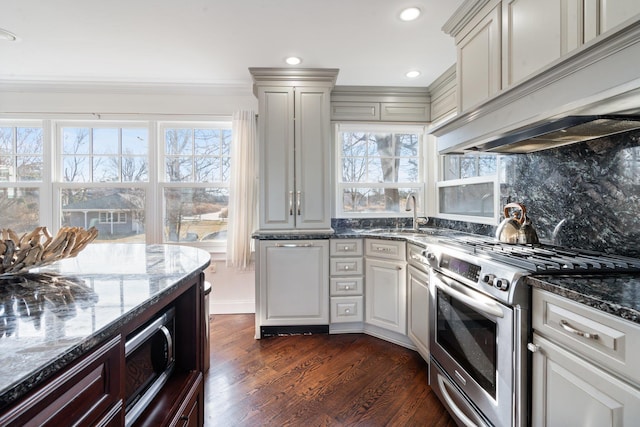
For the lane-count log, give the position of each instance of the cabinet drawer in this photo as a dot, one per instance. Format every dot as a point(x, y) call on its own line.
point(388, 249)
point(346, 309)
point(346, 267)
point(415, 257)
point(346, 286)
point(612, 342)
point(346, 247)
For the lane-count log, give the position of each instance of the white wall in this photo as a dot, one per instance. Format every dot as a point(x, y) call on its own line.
point(233, 290)
point(119, 100)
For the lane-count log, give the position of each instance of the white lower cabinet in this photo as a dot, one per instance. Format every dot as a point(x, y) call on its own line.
point(386, 285)
point(418, 316)
point(585, 369)
point(293, 283)
point(346, 285)
point(569, 391)
point(346, 309)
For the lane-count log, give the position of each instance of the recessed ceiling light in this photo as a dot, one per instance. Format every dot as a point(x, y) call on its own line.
point(7, 36)
point(293, 60)
point(410, 14)
point(412, 74)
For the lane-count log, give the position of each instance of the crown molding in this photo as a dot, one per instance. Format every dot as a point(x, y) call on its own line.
point(132, 88)
point(463, 15)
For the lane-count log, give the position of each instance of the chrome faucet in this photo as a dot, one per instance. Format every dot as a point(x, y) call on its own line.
point(412, 197)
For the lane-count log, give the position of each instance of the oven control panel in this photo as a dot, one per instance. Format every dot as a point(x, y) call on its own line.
point(460, 267)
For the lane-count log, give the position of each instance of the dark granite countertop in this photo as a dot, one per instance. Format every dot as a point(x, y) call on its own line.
point(618, 295)
point(55, 314)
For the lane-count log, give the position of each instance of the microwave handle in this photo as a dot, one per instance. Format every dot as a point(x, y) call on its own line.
point(167, 336)
point(486, 307)
point(137, 340)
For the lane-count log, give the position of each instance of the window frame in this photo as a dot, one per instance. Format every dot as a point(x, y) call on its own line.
point(340, 186)
point(45, 205)
point(216, 246)
point(461, 182)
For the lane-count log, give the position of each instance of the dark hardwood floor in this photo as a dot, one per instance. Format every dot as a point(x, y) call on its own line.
point(317, 380)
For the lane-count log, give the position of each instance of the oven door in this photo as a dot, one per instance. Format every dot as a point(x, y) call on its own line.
point(472, 341)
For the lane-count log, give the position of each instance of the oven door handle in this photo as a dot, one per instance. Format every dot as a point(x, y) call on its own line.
point(472, 299)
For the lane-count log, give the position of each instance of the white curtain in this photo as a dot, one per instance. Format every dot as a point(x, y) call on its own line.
point(243, 192)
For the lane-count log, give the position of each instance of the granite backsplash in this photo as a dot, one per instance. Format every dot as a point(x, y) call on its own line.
point(584, 195)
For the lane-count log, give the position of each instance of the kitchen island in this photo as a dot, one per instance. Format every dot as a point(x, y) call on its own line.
point(79, 311)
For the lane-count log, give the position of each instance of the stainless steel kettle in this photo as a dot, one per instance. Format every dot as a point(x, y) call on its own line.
point(516, 227)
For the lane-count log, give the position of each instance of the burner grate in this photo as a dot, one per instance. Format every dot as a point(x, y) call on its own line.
point(546, 259)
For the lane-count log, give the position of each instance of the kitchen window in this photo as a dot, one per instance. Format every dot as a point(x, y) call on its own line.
point(102, 179)
point(195, 181)
point(378, 167)
point(136, 181)
point(22, 154)
point(468, 188)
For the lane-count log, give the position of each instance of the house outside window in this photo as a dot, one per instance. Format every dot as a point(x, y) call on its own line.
point(195, 182)
point(378, 167)
point(104, 168)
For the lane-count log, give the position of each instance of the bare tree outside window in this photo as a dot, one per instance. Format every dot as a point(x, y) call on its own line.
point(379, 170)
point(198, 155)
point(21, 163)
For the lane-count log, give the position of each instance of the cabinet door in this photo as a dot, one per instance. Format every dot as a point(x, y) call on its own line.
point(536, 33)
point(81, 395)
point(569, 391)
point(601, 16)
point(479, 62)
point(294, 282)
point(312, 158)
point(386, 295)
point(276, 139)
point(418, 328)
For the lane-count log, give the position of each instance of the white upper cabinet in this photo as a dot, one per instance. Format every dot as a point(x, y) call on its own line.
point(601, 16)
point(537, 32)
point(294, 148)
point(380, 103)
point(479, 59)
point(502, 43)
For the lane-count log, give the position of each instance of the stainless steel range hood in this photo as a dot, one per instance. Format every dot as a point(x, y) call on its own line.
point(559, 132)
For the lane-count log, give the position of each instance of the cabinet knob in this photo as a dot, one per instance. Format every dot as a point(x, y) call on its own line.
point(347, 287)
point(347, 310)
point(346, 248)
point(346, 267)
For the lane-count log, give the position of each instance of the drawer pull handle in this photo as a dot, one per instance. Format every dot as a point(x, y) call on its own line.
point(346, 248)
point(294, 245)
point(346, 267)
point(346, 288)
point(565, 325)
point(347, 311)
point(383, 249)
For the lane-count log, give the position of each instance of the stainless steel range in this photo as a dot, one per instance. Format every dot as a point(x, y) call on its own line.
point(479, 322)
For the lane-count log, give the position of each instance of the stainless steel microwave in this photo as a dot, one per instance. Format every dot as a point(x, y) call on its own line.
point(149, 361)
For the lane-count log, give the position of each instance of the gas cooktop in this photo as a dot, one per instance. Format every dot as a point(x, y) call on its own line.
point(545, 259)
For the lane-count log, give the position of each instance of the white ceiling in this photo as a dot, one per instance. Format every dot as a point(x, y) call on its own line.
point(214, 42)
